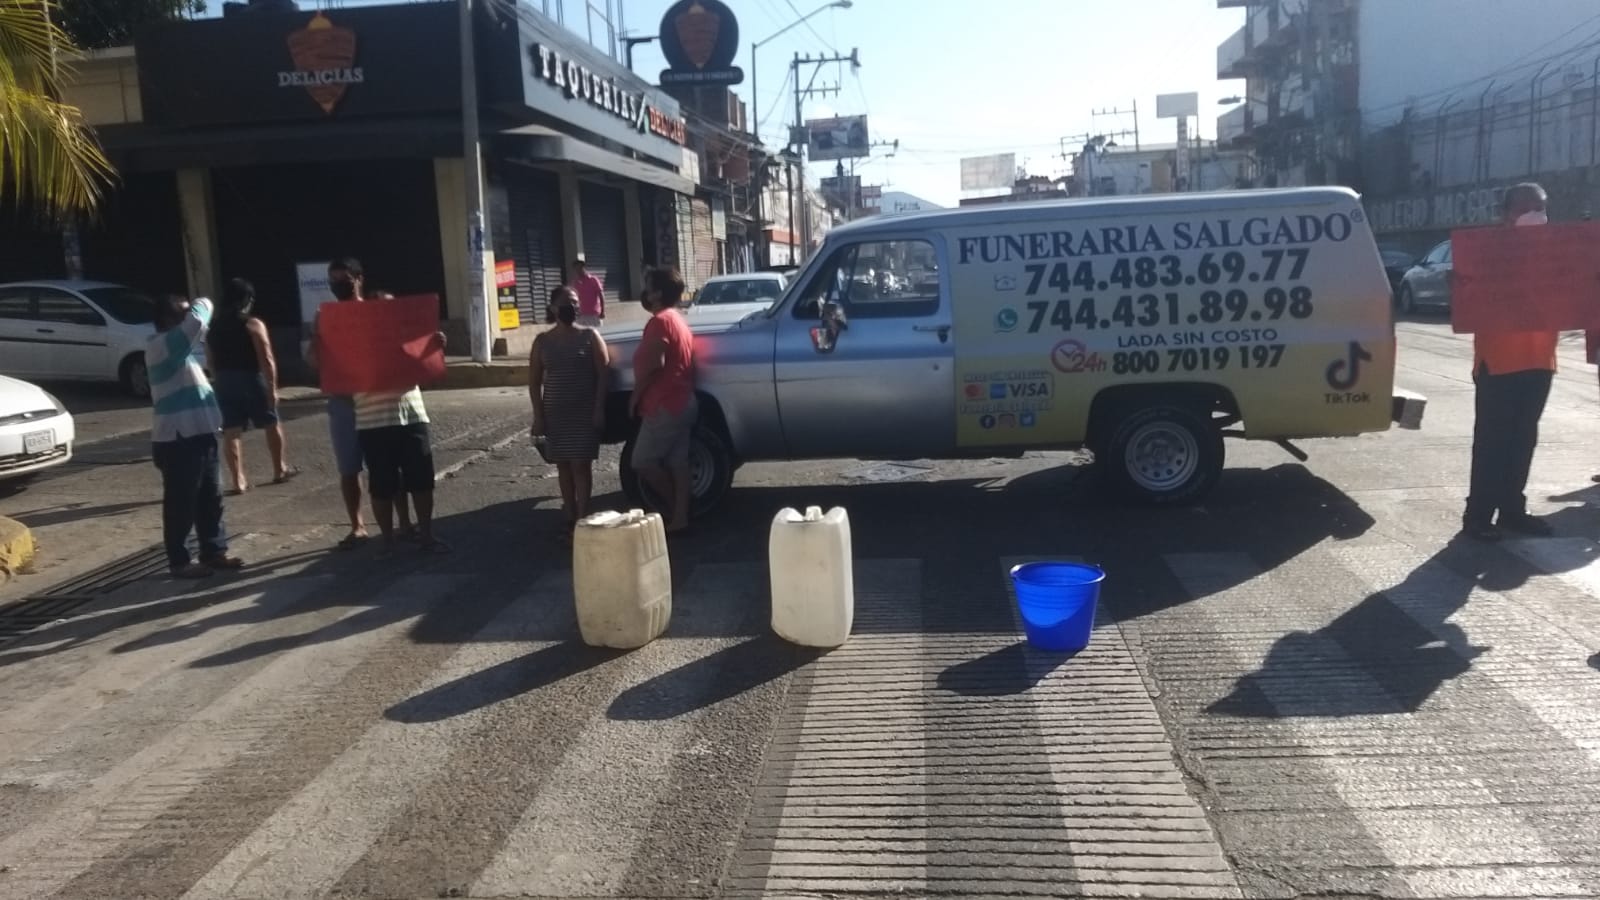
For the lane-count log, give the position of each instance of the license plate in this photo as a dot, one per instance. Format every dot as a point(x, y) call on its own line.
point(36, 442)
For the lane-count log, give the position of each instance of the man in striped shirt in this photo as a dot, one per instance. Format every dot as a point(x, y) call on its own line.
point(184, 439)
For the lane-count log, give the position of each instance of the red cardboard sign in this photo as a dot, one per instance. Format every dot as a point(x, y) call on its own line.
point(379, 345)
point(1534, 278)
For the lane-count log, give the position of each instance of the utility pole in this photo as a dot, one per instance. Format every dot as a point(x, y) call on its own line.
point(479, 328)
point(1134, 111)
point(797, 136)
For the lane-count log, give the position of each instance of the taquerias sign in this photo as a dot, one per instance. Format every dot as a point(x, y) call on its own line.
point(579, 82)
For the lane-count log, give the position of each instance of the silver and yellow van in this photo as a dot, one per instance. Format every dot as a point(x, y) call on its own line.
point(1146, 329)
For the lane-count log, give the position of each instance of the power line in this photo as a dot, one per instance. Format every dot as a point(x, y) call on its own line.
point(806, 21)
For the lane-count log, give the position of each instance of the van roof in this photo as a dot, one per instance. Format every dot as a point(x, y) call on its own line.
point(1044, 210)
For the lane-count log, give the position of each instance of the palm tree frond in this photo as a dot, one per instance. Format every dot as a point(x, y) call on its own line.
point(49, 156)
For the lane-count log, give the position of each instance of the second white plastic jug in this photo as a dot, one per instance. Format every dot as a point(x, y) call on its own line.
point(813, 577)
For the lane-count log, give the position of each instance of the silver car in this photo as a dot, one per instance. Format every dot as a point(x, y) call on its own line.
point(1427, 285)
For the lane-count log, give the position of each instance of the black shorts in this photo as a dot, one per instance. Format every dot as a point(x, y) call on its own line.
point(399, 458)
point(244, 401)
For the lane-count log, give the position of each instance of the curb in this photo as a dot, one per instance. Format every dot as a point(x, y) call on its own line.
point(16, 547)
point(463, 376)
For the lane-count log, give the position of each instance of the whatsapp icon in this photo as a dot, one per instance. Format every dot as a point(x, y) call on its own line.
point(1006, 320)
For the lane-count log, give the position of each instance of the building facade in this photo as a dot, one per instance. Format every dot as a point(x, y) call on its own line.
point(1430, 108)
point(264, 144)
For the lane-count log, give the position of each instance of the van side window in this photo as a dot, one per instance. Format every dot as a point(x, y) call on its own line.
point(876, 280)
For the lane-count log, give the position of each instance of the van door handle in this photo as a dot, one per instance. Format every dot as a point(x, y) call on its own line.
point(44, 331)
point(943, 331)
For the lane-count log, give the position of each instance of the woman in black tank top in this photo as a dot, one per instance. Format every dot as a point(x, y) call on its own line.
point(245, 377)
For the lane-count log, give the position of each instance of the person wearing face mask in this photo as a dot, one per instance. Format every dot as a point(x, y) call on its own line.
point(663, 398)
point(346, 281)
point(1512, 372)
point(567, 387)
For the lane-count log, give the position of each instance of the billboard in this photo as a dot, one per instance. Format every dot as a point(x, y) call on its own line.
point(841, 191)
point(987, 173)
point(1177, 106)
point(844, 137)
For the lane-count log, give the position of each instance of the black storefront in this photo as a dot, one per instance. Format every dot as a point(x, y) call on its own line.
point(273, 142)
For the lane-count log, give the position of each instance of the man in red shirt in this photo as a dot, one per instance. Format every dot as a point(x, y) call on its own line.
point(1512, 371)
point(663, 397)
point(591, 295)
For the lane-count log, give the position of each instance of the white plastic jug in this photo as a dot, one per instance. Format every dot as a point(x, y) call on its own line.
point(621, 579)
point(813, 580)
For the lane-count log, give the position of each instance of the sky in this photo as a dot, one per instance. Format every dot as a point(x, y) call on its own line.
point(953, 78)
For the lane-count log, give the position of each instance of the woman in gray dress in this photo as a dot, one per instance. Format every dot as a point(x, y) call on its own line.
point(567, 384)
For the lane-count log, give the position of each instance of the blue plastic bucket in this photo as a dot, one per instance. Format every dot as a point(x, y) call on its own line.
point(1057, 602)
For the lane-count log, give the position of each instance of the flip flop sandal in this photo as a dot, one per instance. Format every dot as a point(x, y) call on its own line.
point(286, 477)
point(235, 492)
point(352, 541)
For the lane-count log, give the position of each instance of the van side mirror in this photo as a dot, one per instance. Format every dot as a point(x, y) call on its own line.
point(825, 336)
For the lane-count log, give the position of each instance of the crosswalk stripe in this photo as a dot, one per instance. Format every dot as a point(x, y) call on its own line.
point(304, 847)
point(1563, 692)
point(1327, 672)
point(579, 835)
point(99, 681)
point(91, 825)
point(1231, 589)
point(854, 722)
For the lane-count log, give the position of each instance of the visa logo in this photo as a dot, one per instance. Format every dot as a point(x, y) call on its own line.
point(1031, 389)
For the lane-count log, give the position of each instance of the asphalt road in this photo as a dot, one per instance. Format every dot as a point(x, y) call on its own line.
point(1304, 687)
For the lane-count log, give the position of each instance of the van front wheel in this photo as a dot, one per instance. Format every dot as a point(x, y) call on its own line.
point(1165, 455)
point(710, 473)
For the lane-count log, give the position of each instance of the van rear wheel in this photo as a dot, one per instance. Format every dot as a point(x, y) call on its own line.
point(1163, 455)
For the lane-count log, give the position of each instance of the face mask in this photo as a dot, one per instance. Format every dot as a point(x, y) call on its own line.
point(567, 313)
point(343, 290)
point(1537, 217)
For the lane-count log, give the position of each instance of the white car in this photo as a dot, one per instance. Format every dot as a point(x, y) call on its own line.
point(76, 331)
point(731, 297)
point(36, 431)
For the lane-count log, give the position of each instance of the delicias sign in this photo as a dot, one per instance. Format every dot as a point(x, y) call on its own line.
point(324, 62)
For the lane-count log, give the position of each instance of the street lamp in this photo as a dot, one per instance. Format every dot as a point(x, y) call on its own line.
point(755, 95)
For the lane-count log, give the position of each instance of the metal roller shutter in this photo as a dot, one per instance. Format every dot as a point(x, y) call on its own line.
point(704, 243)
point(605, 238)
point(536, 240)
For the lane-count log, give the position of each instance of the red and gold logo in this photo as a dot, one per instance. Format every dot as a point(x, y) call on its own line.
point(324, 57)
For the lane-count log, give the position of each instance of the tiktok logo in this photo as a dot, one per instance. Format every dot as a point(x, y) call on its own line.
point(1343, 374)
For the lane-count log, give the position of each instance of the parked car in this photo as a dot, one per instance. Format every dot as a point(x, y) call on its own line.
point(725, 296)
point(36, 431)
point(1396, 263)
point(1427, 284)
point(76, 331)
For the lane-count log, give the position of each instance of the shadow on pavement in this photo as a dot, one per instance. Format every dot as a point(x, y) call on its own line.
point(709, 680)
point(1005, 672)
point(1594, 662)
point(1409, 649)
point(75, 512)
point(959, 529)
point(509, 679)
